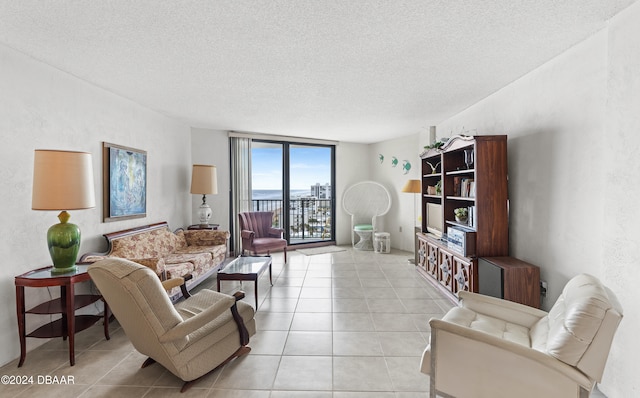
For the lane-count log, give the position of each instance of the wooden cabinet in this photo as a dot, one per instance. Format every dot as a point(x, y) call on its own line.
point(510, 279)
point(447, 270)
point(465, 173)
point(464, 276)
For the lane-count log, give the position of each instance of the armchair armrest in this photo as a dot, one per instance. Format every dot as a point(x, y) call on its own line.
point(496, 355)
point(503, 309)
point(173, 282)
point(178, 281)
point(184, 328)
point(275, 232)
point(246, 234)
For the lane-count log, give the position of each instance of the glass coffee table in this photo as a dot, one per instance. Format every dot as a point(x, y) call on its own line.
point(246, 268)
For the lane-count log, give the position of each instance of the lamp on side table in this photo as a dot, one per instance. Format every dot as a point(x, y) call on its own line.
point(63, 180)
point(204, 181)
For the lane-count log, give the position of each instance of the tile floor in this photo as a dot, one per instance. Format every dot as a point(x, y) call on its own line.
point(349, 324)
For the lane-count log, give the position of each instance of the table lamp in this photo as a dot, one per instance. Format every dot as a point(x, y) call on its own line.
point(63, 180)
point(204, 181)
point(412, 186)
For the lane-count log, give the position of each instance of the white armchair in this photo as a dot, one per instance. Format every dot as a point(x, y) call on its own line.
point(488, 347)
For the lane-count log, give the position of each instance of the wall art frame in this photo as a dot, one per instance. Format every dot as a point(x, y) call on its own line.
point(124, 182)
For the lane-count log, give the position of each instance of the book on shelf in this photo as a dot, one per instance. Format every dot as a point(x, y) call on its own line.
point(472, 217)
point(465, 188)
point(457, 186)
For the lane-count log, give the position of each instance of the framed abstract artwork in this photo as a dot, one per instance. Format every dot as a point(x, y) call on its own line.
point(124, 182)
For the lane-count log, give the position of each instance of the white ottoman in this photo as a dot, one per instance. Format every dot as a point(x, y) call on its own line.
point(382, 242)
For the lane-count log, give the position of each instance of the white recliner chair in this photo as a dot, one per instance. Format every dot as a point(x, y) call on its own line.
point(190, 339)
point(488, 347)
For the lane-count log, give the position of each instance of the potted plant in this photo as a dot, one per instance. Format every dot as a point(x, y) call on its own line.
point(461, 213)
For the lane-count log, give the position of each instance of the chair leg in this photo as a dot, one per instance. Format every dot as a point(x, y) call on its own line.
point(285, 254)
point(147, 362)
point(239, 352)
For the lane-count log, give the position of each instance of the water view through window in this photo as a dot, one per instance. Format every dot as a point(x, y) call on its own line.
point(295, 181)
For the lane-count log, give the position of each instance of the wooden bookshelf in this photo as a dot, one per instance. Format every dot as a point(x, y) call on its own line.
point(487, 205)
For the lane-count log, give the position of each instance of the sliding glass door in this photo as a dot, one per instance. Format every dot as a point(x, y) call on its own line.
point(296, 182)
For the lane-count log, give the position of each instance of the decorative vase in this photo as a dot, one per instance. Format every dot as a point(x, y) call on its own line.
point(63, 240)
point(461, 220)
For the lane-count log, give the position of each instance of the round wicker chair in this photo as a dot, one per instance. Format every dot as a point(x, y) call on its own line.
point(365, 201)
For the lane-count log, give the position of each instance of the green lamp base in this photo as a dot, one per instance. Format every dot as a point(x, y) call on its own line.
point(63, 240)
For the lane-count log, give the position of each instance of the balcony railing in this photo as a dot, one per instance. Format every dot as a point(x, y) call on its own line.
point(309, 218)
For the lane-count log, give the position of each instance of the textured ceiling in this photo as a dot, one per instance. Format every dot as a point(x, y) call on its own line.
point(349, 70)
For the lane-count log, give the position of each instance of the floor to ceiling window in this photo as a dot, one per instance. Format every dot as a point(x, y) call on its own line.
point(295, 181)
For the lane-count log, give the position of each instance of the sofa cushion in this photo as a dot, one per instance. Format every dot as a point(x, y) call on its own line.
point(218, 252)
point(155, 263)
point(200, 249)
point(179, 240)
point(178, 270)
point(180, 264)
point(205, 237)
point(199, 260)
point(155, 243)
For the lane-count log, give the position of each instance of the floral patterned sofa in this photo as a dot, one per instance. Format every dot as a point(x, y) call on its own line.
point(199, 253)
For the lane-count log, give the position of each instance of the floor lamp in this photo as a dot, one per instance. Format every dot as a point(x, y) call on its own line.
point(413, 186)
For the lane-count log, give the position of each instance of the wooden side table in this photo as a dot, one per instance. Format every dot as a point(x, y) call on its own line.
point(205, 226)
point(67, 304)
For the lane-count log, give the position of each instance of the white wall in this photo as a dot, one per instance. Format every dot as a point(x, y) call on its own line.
point(619, 236)
point(393, 178)
point(351, 166)
point(212, 147)
point(43, 108)
point(573, 173)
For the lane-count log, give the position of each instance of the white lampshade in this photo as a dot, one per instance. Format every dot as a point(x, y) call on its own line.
point(204, 180)
point(62, 180)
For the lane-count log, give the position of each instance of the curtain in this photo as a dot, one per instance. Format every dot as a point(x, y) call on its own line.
point(240, 158)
